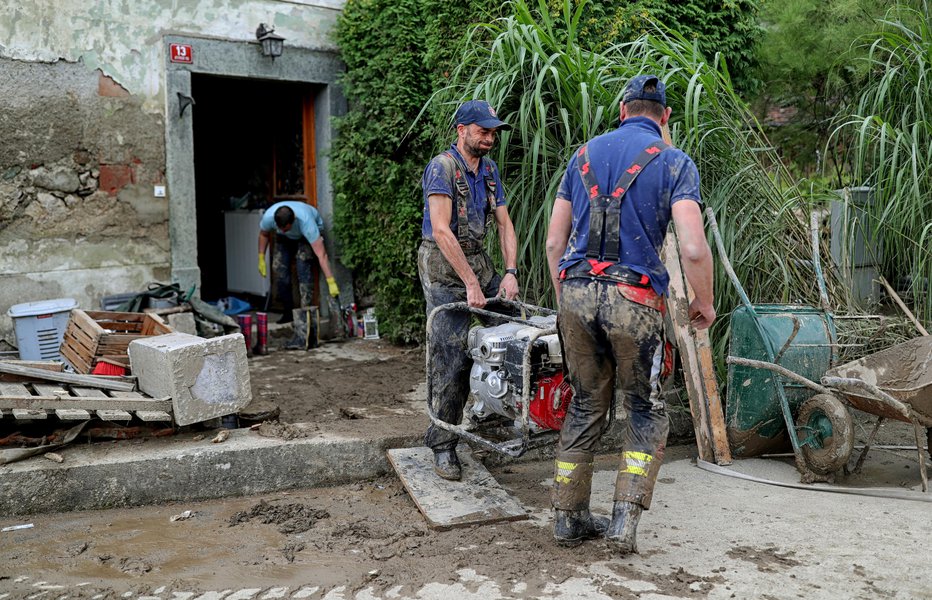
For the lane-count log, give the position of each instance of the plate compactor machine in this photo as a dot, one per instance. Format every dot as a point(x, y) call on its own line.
point(518, 394)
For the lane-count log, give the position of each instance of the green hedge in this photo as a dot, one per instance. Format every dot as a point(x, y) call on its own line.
point(400, 52)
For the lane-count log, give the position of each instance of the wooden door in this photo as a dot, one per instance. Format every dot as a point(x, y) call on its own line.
point(294, 161)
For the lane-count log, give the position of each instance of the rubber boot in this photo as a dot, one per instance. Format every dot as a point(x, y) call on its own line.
point(622, 531)
point(572, 527)
point(447, 464)
point(305, 331)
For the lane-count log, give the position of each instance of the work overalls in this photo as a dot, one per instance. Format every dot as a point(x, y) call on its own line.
point(441, 285)
point(611, 328)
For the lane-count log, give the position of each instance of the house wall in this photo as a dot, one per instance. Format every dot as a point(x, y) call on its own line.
point(86, 123)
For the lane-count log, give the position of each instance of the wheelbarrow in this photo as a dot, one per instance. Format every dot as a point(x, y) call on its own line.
point(760, 409)
point(895, 383)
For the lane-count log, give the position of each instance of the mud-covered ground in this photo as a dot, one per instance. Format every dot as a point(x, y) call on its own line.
point(340, 380)
point(707, 536)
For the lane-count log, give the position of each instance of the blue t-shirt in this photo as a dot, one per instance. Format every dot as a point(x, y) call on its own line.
point(438, 179)
point(307, 221)
point(645, 208)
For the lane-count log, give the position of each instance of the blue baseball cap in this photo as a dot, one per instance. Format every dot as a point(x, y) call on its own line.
point(635, 90)
point(480, 113)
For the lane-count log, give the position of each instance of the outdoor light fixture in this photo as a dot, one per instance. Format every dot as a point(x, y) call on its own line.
point(272, 44)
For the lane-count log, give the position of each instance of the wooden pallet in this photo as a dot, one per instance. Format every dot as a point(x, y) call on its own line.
point(40, 400)
point(92, 336)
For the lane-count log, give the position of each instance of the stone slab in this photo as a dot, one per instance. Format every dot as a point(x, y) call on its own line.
point(205, 378)
point(476, 498)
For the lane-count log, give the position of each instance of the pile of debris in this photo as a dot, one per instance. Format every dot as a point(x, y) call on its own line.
point(121, 370)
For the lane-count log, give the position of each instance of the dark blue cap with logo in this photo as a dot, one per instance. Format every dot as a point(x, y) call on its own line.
point(480, 113)
point(635, 90)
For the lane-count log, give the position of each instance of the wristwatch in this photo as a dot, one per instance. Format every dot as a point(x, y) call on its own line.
point(512, 272)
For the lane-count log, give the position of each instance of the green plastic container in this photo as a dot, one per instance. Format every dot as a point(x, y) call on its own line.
point(753, 416)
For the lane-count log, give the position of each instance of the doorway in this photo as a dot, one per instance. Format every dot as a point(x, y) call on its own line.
point(253, 146)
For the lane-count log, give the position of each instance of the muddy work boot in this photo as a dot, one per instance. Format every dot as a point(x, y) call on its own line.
point(305, 330)
point(573, 527)
point(447, 464)
point(622, 531)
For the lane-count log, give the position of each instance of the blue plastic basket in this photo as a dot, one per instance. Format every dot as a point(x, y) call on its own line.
point(40, 327)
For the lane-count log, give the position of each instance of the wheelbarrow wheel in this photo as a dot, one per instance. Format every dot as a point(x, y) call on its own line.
point(825, 424)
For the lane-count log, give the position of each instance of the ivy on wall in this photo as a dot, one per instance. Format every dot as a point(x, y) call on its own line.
point(397, 54)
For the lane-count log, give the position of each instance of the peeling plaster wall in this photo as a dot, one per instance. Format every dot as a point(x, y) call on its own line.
point(82, 124)
point(122, 37)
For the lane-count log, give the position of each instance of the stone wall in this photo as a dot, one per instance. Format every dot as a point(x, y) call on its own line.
point(77, 168)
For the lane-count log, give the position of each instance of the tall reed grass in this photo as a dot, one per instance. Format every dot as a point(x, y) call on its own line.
point(557, 94)
point(889, 130)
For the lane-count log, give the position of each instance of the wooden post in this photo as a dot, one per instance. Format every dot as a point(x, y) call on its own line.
point(695, 350)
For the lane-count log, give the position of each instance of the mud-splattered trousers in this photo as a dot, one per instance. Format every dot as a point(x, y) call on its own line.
point(450, 362)
point(605, 336)
point(300, 251)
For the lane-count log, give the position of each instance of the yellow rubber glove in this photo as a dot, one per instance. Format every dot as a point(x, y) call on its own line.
point(262, 264)
point(332, 286)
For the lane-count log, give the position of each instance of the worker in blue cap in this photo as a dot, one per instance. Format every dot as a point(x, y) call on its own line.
point(618, 195)
point(463, 195)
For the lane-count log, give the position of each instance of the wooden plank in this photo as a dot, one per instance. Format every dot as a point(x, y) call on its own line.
point(114, 415)
point(51, 390)
point(476, 499)
point(116, 341)
point(14, 389)
point(117, 394)
point(153, 415)
point(115, 360)
point(84, 380)
point(899, 302)
point(84, 339)
point(54, 366)
point(72, 414)
point(112, 315)
point(80, 344)
point(77, 361)
point(84, 321)
point(24, 414)
point(53, 402)
point(84, 392)
point(155, 325)
point(695, 350)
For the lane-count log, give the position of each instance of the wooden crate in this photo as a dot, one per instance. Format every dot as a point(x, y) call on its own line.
point(92, 336)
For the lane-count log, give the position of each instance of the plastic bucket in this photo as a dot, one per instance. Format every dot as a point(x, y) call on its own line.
point(40, 327)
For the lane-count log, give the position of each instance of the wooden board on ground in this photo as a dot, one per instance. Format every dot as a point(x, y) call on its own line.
point(476, 499)
point(40, 400)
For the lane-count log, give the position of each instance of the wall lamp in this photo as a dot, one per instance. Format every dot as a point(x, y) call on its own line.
point(272, 43)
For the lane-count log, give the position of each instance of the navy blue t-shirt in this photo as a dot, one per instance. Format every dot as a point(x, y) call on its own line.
point(438, 180)
point(645, 208)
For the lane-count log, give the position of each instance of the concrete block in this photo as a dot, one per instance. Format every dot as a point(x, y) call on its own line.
point(183, 323)
point(205, 378)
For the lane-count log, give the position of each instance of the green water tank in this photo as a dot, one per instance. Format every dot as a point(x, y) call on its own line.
point(753, 415)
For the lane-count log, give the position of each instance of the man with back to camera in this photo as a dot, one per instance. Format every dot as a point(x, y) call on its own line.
point(610, 217)
point(462, 195)
point(297, 228)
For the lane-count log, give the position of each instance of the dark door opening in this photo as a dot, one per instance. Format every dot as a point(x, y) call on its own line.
point(253, 146)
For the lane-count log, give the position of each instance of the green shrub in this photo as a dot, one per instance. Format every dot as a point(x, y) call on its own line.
point(399, 54)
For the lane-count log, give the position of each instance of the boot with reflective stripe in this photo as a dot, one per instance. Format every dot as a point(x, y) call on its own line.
point(573, 527)
point(622, 531)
